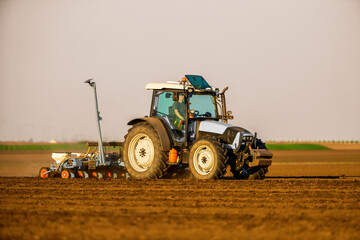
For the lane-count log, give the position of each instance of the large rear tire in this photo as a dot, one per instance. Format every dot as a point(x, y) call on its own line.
point(207, 158)
point(143, 155)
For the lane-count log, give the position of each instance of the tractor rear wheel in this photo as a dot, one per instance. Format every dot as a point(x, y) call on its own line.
point(207, 158)
point(143, 155)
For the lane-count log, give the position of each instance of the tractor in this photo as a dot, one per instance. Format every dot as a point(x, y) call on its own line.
point(188, 129)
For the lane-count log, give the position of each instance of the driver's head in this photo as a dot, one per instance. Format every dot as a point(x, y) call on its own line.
point(181, 97)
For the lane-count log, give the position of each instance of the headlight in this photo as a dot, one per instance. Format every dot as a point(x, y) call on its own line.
point(247, 138)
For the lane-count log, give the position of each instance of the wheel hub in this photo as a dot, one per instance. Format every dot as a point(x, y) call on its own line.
point(205, 160)
point(142, 152)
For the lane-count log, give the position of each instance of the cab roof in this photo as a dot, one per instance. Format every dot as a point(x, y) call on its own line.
point(191, 81)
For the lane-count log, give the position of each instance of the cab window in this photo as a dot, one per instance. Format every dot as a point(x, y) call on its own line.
point(202, 105)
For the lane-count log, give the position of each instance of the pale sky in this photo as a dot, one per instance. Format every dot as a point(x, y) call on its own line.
point(292, 66)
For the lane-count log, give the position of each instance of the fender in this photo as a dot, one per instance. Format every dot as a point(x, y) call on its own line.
point(156, 123)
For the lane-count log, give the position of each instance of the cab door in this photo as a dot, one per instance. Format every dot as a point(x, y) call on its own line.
point(163, 107)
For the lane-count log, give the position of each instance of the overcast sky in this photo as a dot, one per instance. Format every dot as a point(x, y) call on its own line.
point(292, 66)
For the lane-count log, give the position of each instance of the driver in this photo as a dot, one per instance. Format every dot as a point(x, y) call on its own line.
point(179, 109)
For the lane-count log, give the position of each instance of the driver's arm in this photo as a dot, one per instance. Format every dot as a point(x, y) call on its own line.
point(178, 114)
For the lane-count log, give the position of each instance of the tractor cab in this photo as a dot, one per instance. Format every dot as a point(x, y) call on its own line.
point(182, 105)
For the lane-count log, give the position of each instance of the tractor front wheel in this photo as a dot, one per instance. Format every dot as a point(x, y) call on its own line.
point(207, 159)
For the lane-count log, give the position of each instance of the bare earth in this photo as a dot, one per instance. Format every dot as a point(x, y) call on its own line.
point(298, 207)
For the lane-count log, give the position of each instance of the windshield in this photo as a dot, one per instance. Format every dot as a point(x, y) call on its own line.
point(202, 105)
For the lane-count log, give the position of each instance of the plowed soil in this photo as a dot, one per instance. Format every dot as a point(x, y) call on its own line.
point(307, 196)
point(179, 209)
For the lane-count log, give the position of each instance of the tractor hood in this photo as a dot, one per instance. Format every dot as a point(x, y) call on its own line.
point(232, 135)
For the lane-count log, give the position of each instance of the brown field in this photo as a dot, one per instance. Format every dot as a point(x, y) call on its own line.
point(342, 146)
point(303, 198)
point(285, 163)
